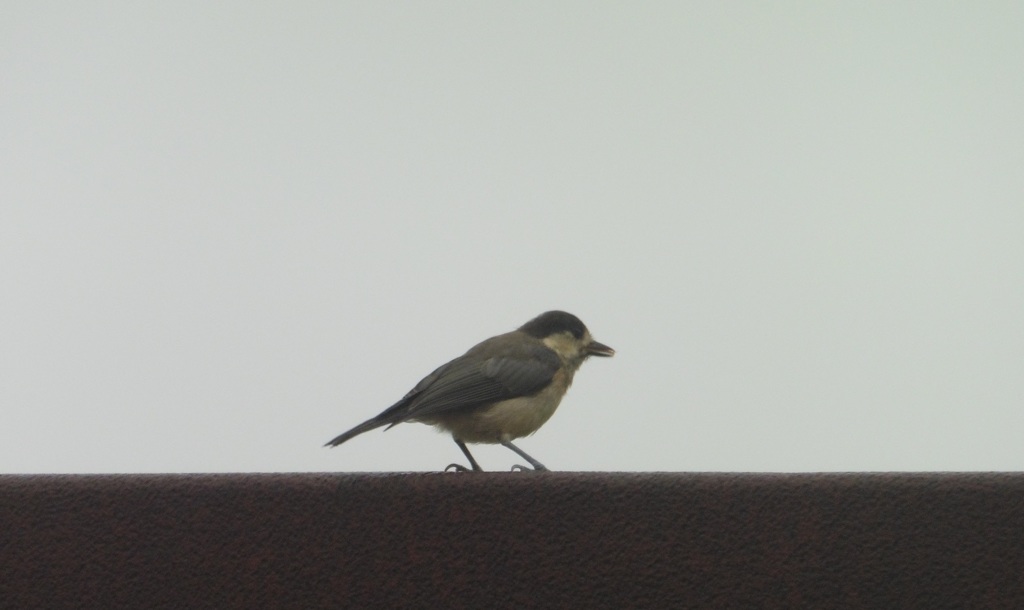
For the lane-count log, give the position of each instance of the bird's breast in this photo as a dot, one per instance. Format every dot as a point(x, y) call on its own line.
point(508, 419)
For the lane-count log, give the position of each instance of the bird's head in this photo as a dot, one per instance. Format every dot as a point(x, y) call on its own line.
point(566, 335)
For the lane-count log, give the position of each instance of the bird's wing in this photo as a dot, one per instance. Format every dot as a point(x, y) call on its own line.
point(465, 383)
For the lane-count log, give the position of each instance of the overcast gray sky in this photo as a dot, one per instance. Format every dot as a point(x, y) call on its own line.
point(230, 231)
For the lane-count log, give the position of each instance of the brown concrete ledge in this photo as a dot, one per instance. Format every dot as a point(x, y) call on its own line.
point(516, 540)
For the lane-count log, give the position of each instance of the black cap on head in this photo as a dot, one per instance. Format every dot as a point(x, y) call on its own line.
point(553, 322)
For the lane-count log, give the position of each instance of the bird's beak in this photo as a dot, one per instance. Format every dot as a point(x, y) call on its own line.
point(599, 349)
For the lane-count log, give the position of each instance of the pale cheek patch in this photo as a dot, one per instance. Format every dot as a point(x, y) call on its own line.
point(566, 346)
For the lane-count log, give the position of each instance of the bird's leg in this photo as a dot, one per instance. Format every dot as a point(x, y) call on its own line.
point(536, 465)
point(459, 467)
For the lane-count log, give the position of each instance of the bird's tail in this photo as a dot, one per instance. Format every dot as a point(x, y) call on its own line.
point(366, 426)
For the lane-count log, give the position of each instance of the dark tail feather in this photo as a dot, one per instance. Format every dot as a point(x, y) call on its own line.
point(366, 426)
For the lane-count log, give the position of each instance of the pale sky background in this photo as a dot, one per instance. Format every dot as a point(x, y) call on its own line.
point(230, 231)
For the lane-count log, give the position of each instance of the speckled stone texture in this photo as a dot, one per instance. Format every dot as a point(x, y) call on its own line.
point(513, 540)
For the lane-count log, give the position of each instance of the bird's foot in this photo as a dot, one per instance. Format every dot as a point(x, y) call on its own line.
point(538, 468)
point(461, 468)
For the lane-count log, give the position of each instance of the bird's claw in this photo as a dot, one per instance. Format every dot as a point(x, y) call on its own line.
point(456, 468)
point(521, 468)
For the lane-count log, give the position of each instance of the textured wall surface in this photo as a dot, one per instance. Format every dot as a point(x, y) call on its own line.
point(516, 540)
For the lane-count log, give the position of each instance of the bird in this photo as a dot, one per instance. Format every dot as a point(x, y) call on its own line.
point(502, 389)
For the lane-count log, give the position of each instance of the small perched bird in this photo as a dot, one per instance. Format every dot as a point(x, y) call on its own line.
point(502, 389)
